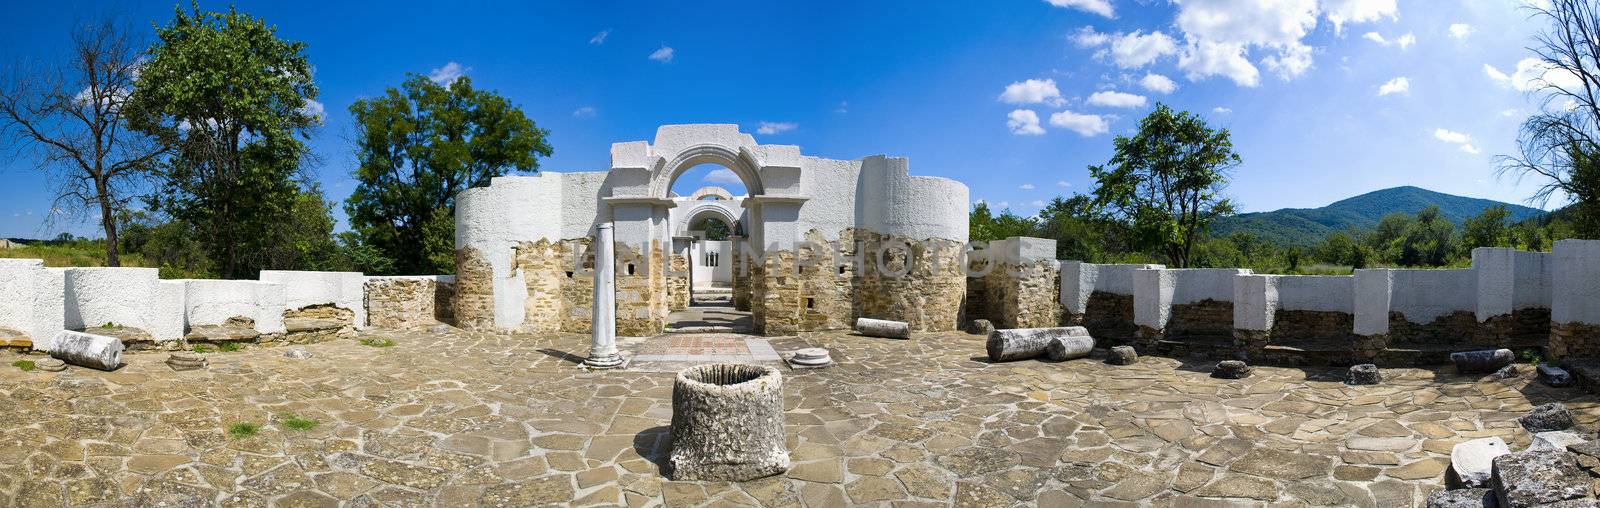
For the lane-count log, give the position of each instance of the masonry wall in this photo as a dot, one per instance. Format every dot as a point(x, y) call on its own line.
point(214, 302)
point(402, 302)
point(1099, 297)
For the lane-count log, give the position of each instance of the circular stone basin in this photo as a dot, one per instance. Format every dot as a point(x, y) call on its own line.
point(727, 423)
point(811, 356)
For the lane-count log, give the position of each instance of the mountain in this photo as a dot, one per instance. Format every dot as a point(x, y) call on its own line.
point(1307, 226)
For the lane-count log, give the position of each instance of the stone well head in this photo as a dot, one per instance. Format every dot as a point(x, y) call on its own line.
point(727, 423)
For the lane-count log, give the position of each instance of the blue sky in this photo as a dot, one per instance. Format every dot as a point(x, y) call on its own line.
point(1325, 98)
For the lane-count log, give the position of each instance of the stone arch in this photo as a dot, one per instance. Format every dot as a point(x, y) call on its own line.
point(711, 191)
point(700, 211)
point(741, 161)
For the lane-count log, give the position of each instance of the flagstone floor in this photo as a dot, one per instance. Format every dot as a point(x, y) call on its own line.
point(486, 419)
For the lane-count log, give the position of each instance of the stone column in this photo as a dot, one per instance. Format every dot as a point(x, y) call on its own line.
point(603, 333)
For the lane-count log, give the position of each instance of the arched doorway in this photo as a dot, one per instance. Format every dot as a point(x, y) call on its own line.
point(707, 225)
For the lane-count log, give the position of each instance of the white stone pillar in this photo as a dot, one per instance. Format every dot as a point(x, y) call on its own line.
point(603, 335)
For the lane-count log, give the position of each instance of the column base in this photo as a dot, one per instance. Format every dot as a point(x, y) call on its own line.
point(611, 361)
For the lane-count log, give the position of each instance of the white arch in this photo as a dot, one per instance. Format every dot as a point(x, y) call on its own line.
point(711, 191)
point(710, 207)
point(742, 162)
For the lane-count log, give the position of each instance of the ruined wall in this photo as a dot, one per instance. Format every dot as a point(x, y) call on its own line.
point(1021, 288)
point(678, 285)
point(401, 303)
point(741, 272)
point(924, 287)
point(474, 296)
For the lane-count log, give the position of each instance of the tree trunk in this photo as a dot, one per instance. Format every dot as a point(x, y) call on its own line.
point(109, 223)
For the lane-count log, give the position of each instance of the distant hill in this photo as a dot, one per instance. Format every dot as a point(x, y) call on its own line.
point(1307, 226)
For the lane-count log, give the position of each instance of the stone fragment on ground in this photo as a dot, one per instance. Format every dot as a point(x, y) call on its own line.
point(1472, 462)
point(297, 354)
point(1555, 440)
point(1478, 362)
point(1070, 347)
point(50, 365)
point(1122, 355)
point(1463, 498)
point(1231, 369)
point(1507, 372)
point(1554, 376)
point(1365, 374)
point(186, 361)
point(1547, 417)
point(1532, 478)
point(883, 328)
point(980, 327)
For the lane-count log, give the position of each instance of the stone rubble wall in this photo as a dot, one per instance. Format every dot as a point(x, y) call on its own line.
point(401, 303)
point(1021, 288)
point(925, 287)
point(345, 290)
point(1508, 298)
point(678, 283)
point(741, 274)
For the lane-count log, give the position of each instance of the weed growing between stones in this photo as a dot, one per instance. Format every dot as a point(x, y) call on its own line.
point(228, 347)
point(243, 430)
point(292, 422)
point(25, 365)
point(377, 342)
point(201, 348)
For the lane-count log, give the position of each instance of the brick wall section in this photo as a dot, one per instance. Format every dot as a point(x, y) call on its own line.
point(474, 297)
point(1023, 295)
point(543, 272)
point(403, 303)
point(930, 293)
point(678, 285)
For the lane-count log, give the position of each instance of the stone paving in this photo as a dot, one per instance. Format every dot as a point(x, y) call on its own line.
point(482, 419)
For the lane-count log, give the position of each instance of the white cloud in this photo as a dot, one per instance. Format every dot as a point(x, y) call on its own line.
point(1533, 74)
point(1496, 75)
point(723, 175)
point(1084, 124)
point(1205, 58)
point(1115, 99)
point(1037, 203)
point(600, 38)
point(314, 109)
point(1088, 38)
point(1101, 7)
point(663, 55)
point(1002, 205)
point(1394, 86)
point(1404, 41)
point(1024, 122)
point(448, 74)
point(1221, 110)
point(1462, 141)
point(583, 112)
point(1026, 186)
point(1063, 183)
point(775, 127)
point(1219, 33)
point(1461, 30)
point(1033, 91)
point(1136, 50)
point(1340, 12)
point(1158, 83)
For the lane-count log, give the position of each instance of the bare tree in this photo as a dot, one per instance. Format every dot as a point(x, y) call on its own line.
point(1560, 145)
point(69, 118)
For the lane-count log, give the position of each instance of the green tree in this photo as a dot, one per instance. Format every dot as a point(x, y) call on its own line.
point(70, 117)
point(418, 146)
point(1166, 181)
point(1081, 229)
point(1487, 229)
point(1384, 240)
point(234, 102)
point(984, 226)
point(1427, 241)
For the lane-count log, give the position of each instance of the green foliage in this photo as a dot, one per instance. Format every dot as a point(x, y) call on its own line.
point(230, 98)
point(243, 430)
point(25, 365)
point(1308, 226)
point(1532, 356)
point(228, 347)
point(378, 343)
point(716, 229)
point(292, 422)
point(984, 226)
point(418, 146)
point(201, 348)
point(1166, 182)
point(1488, 229)
point(1427, 240)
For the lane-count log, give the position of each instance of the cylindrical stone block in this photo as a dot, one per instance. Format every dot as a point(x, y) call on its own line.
point(1024, 343)
point(883, 328)
point(1488, 360)
point(87, 350)
point(1071, 347)
point(727, 423)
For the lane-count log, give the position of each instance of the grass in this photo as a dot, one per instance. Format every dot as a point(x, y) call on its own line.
point(25, 365)
point(201, 348)
point(228, 347)
point(243, 430)
point(292, 422)
point(70, 254)
point(377, 342)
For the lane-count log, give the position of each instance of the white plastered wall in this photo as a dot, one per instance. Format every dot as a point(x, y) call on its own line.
point(131, 297)
point(32, 298)
point(1424, 295)
point(1575, 282)
point(345, 290)
point(1257, 298)
point(1079, 280)
point(1510, 280)
point(213, 302)
point(1155, 291)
